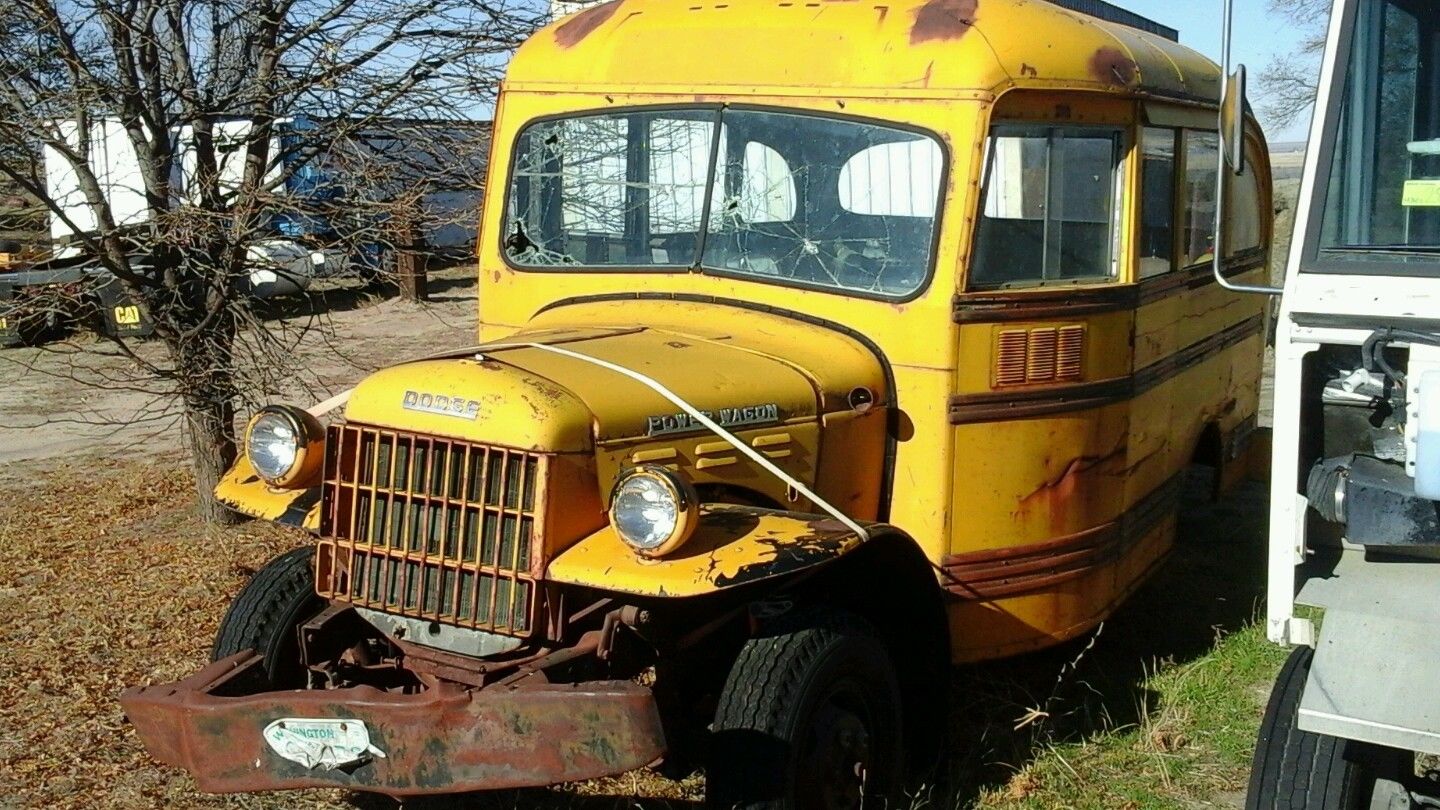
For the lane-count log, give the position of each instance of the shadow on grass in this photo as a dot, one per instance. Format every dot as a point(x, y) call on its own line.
point(1210, 586)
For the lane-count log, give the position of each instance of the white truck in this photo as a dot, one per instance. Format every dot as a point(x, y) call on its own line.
point(1354, 554)
point(436, 164)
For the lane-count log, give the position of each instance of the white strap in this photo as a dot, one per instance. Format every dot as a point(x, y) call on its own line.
point(700, 417)
point(321, 408)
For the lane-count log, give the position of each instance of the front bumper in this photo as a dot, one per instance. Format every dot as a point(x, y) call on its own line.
point(445, 740)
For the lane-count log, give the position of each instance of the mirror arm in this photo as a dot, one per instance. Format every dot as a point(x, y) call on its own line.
point(1217, 264)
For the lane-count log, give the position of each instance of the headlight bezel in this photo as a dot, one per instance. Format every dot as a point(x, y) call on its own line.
point(309, 447)
point(686, 506)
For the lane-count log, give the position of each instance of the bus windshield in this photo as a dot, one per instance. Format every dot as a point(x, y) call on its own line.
point(797, 199)
point(1381, 188)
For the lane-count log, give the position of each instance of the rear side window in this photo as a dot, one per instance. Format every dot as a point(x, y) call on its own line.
point(1049, 209)
point(1157, 202)
point(1202, 159)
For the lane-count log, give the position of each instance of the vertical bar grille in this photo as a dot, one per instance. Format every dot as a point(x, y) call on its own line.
point(432, 528)
point(1070, 365)
point(1010, 357)
point(1045, 354)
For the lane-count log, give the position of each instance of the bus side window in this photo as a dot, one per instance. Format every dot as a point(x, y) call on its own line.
point(1049, 208)
point(1157, 200)
point(1202, 157)
point(1244, 228)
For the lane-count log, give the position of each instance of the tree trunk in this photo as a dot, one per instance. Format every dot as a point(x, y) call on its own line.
point(205, 374)
point(210, 438)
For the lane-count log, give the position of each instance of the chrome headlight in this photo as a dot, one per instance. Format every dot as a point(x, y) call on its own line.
point(653, 510)
point(285, 445)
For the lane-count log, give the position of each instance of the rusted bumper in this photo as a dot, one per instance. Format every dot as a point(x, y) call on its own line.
point(445, 740)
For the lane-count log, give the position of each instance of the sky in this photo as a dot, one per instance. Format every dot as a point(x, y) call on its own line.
point(1258, 36)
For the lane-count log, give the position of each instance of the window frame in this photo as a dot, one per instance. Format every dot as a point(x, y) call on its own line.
point(944, 199)
point(1125, 142)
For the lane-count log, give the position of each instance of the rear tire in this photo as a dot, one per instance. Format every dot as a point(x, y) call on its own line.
point(266, 617)
point(809, 718)
point(1298, 770)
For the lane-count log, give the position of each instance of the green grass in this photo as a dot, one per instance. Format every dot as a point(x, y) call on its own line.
point(1191, 745)
point(1160, 709)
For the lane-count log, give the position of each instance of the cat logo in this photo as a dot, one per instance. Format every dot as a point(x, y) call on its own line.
point(127, 315)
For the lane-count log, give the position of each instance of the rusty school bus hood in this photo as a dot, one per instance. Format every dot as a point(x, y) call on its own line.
point(533, 399)
point(746, 369)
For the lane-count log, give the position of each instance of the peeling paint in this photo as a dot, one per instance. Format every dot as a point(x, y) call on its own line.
point(1113, 66)
point(574, 30)
point(943, 20)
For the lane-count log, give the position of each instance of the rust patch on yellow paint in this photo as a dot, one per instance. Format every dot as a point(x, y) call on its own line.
point(574, 30)
point(943, 20)
point(1114, 66)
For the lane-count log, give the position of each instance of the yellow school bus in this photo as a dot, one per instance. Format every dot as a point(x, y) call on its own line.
point(822, 344)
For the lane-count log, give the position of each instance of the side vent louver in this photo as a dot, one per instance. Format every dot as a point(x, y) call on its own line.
point(1043, 355)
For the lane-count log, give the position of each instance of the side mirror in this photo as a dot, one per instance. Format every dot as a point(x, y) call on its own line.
point(1232, 121)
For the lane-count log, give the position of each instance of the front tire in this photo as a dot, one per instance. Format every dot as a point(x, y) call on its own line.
point(1298, 770)
point(266, 617)
point(809, 718)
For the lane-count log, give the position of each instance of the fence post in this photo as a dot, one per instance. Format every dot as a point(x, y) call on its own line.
point(410, 258)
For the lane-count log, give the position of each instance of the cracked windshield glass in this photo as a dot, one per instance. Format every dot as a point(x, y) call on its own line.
point(791, 198)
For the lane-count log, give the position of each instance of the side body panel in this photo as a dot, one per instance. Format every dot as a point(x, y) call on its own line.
point(1065, 494)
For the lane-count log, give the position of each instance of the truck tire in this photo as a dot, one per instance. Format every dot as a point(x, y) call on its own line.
point(809, 718)
point(1298, 770)
point(267, 613)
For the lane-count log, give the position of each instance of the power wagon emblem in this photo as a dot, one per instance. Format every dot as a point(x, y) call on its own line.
point(443, 405)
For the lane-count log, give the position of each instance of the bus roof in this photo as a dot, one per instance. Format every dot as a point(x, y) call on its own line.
point(855, 47)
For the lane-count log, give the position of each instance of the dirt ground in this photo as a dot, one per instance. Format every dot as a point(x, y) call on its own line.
point(79, 396)
point(107, 580)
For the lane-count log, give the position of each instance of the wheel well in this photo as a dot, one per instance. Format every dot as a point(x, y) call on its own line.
point(1210, 453)
point(892, 584)
point(1209, 447)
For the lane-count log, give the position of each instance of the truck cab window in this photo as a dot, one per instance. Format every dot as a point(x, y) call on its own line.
point(1049, 209)
point(1382, 204)
point(1157, 202)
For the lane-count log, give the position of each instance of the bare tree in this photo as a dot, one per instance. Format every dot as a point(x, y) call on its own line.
point(1291, 80)
point(208, 94)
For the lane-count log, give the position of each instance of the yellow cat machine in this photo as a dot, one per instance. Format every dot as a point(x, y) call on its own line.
point(822, 345)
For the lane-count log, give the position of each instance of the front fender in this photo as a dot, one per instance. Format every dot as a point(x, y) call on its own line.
point(732, 546)
point(242, 490)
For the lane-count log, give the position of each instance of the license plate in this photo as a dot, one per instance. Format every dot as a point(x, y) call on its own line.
point(324, 744)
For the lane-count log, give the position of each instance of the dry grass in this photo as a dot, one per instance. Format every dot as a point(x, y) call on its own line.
point(105, 583)
point(106, 580)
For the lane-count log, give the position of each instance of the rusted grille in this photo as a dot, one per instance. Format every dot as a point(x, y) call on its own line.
point(1072, 353)
point(432, 528)
point(1040, 364)
point(1010, 358)
point(1042, 355)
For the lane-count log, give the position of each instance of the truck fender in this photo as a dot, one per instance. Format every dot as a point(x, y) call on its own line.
point(242, 489)
point(732, 546)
